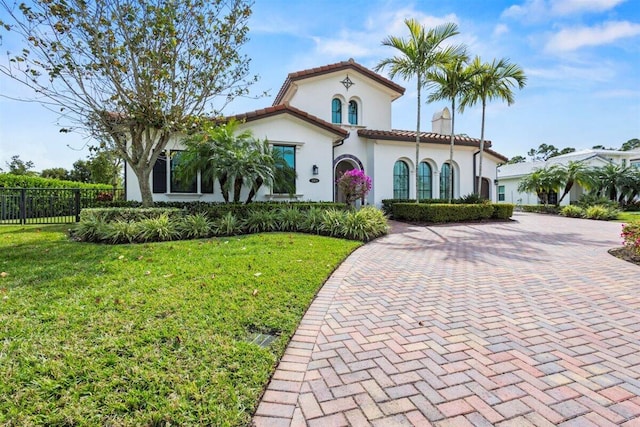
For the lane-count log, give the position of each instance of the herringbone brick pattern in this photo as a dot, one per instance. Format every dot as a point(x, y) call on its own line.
point(521, 323)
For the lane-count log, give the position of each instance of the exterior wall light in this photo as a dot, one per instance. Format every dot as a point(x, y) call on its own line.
point(315, 169)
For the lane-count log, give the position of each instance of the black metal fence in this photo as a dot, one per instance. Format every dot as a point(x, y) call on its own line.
point(51, 205)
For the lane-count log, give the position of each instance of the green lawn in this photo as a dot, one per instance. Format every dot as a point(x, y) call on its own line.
point(628, 216)
point(148, 335)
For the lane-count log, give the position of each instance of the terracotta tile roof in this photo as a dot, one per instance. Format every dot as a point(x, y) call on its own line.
point(428, 138)
point(332, 68)
point(288, 109)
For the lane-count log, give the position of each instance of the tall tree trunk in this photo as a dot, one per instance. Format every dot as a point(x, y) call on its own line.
point(418, 140)
point(453, 122)
point(143, 174)
point(237, 189)
point(254, 189)
point(479, 186)
point(223, 183)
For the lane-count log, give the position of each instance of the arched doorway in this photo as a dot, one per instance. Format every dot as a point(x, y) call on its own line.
point(344, 163)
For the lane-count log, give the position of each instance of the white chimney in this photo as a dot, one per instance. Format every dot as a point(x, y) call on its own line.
point(441, 122)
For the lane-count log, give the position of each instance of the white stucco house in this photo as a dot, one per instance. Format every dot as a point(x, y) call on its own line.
point(334, 118)
point(509, 176)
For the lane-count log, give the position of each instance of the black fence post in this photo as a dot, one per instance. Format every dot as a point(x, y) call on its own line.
point(77, 200)
point(23, 206)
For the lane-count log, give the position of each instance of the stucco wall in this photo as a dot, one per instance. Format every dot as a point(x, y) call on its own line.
point(374, 100)
point(313, 146)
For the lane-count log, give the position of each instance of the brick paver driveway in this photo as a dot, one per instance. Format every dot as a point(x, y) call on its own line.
point(523, 323)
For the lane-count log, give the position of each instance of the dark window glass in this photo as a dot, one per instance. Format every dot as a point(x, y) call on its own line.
point(285, 179)
point(400, 180)
point(159, 179)
point(501, 197)
point(445, 181)
point(177, 185)
point(424, 181)
point(353, 112)
point(336, 111)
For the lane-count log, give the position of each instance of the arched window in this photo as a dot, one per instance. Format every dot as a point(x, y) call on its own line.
point(336, 111)
point(424, 181)
point(353, 112)
point(400, 180)
point(445, 180)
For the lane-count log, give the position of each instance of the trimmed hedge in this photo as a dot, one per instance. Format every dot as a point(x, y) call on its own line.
point(129, 214)
point(550, 209)
point(439, 213)
point(502, 210)
point(27, 181)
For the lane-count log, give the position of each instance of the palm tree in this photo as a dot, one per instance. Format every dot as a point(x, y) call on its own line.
point(495, 80)
point(418, 54)
point(450, 80)
point(608, 180)
point(543, 182)
point(234, 159)
point(575, 173)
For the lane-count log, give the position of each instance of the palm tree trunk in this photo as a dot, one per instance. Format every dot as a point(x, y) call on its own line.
point(479, 187)
point(418, 140)
point(453, 121)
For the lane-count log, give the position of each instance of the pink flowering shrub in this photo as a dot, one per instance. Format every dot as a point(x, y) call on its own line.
point(631, 236)
point(354, 184)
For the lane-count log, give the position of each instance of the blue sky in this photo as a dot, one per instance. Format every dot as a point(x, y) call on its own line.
point(581, 57)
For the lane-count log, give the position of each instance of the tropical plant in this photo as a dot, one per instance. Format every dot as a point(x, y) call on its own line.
point(290, 219)
point(158, 229)
point(196, 226)
point(418, 54)
point(260, 220)
point(364, 224)
point(313, 220)
point(575, 173)
point(572, 211)
point(332, 220)
point(227, 225)
point(542, 181)
point(599, 212)
point(354, 184)
point(451, 81)
point(616, 182)
point(120, 232)
point(234, 158)
point(495, 80)
point(132, 71)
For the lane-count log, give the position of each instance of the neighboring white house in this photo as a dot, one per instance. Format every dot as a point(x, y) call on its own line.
point(509, 176)
point(334, 118)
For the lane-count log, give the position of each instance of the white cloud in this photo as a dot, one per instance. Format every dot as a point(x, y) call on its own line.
point(500, 29)
point(567, 76)
point(570, 39)
point(366, 41)
point(569, 7)
point(618, 93)
point(537, 10)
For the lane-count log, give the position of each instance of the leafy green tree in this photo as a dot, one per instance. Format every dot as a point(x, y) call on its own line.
point(418, 54)
point(616, 182)
point(133, 71)
point(17, 166)
point(81, 171)
point(105, 167)
point(575, 173)
point(235, 159)
point(495, 80)
point(565, 150)
point(542, 181)
point(544, 152)
point(631, 144)
point(516, 159)
point(55, 173)
point(451, 81)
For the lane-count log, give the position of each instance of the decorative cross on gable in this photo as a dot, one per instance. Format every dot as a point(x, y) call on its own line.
point(347, 82)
